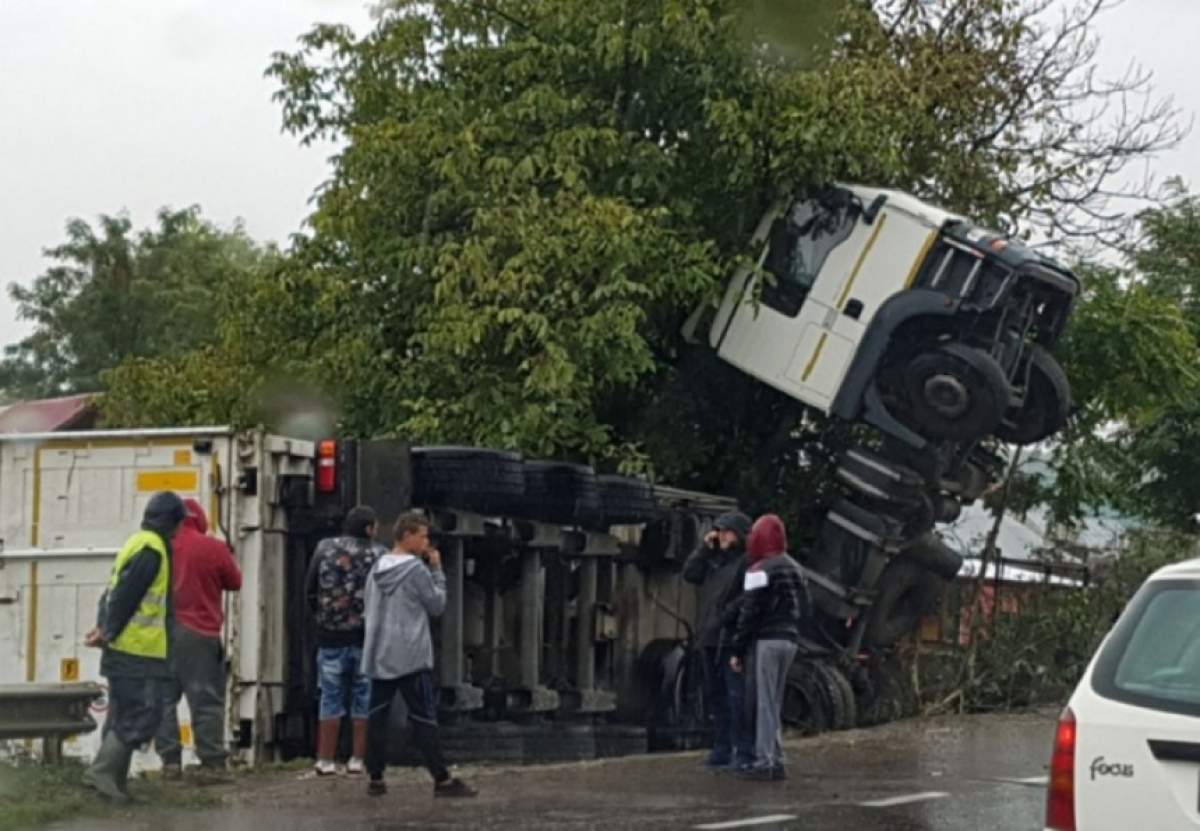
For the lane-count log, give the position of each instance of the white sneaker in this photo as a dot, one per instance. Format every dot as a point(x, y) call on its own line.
point(355, 766)
point(325, 767)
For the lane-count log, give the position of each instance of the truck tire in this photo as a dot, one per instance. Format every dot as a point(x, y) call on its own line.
point(674, 673)
point(471, 478)
point(843, 709)
point(1047, 402)
point(806, 701)
point(956, 392)
point(907, 592)
point(626, 500)
point(560, 493)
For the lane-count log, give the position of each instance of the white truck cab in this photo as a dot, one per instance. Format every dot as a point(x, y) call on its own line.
point(871, 304)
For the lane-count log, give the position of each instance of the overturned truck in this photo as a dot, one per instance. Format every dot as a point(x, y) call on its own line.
point(876, 308)
point(567, 632)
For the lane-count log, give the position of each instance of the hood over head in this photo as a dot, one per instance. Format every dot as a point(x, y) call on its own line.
point(768, 538)
point(393, 569)
point(163, 513)
point(196, 518)
point(736, 522)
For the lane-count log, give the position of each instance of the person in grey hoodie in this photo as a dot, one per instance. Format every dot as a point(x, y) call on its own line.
point(405, 588)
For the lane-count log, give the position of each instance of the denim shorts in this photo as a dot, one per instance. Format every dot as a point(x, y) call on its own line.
point(339, 676)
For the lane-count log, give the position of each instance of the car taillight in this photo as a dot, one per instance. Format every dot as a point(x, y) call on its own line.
point(327, 466)
point(1060, 795)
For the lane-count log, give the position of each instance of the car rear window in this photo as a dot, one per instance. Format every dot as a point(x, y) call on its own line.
point(1152, 658)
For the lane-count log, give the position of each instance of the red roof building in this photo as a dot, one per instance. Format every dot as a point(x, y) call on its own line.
point(49, 415)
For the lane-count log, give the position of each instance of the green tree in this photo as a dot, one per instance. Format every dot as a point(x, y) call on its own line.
point(1161, 477)
point(1132, 353)
point(532, 196)
point(113, 294)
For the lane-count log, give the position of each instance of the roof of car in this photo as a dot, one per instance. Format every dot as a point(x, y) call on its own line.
point(1186, 568)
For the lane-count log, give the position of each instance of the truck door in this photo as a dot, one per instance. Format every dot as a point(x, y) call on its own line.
point(794, 337)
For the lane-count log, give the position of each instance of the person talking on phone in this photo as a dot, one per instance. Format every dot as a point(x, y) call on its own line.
point(404, 589)
point(717, 568)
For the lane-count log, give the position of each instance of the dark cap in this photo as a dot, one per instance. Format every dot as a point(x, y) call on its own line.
point(736, 522)
point(164, 512)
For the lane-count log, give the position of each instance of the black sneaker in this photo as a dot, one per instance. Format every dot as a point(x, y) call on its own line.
point(778, 773)
point(757, 773)
point(376, 787)
point(453, 787)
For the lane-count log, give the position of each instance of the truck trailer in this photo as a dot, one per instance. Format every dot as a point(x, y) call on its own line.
point(566, 627)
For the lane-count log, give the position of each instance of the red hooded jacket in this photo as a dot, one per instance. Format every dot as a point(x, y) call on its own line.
point(768, 538)
point(202, 567)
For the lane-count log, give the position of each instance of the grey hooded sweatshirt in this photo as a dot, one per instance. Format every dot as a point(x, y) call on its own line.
point(402, 592)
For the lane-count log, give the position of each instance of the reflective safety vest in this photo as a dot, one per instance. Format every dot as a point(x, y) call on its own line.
point(146, 633)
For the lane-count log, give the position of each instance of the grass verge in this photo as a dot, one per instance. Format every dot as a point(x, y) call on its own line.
point(34, 795)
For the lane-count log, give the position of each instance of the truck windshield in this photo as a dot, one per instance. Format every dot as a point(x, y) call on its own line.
point(799, 243)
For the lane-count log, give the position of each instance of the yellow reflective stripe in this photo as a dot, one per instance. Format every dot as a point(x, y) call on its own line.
point(149, 621)
point(921, 258)
point(862, 258)
point(812, 362)
point(921, 255)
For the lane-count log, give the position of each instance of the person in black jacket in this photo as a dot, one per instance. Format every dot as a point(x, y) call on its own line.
point(775, 599)
point(717, 568)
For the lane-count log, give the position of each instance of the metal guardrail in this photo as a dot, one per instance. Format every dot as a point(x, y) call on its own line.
point(49, 712)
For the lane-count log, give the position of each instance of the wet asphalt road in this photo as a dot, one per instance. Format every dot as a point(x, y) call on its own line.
point(945, 773)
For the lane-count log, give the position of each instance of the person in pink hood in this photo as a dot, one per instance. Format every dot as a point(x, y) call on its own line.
point(203, 568)
point(774, 600)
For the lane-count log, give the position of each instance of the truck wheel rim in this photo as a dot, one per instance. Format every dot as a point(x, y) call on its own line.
point(947, 395)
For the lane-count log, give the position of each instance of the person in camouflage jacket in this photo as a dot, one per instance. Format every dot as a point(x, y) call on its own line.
point(337, 580)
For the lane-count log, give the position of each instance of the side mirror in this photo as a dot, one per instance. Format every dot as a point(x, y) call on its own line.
point(874, 208)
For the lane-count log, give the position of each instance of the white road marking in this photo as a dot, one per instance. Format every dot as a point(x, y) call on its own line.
point(1014, 780)
point(904, 800)
point(746, 823)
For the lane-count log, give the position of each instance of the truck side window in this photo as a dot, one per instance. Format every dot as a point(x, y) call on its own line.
point(799, 242)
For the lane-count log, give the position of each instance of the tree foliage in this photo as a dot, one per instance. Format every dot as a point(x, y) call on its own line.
point(113, 294)
point(1133, 356)
point(532, 196)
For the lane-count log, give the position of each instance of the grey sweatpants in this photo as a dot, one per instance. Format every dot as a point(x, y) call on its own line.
point(198, 663)
point(772, 659)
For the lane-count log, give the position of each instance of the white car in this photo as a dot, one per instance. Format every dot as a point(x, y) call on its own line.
point(1127, 749)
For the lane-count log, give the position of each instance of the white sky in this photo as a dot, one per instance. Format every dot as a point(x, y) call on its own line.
point(136, 104)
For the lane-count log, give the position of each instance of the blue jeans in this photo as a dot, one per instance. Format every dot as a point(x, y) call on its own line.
point(733, 732)
point(338, 672)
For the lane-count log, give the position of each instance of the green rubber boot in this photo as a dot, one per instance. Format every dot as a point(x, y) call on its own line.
point(110, 769)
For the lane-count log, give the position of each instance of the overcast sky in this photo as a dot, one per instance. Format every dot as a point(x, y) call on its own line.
point(136, 104)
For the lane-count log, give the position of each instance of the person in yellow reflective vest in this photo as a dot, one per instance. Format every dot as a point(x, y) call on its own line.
point(132, 629)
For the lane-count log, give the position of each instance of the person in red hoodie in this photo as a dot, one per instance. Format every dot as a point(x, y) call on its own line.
point(203, 568)
point(775, 598)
